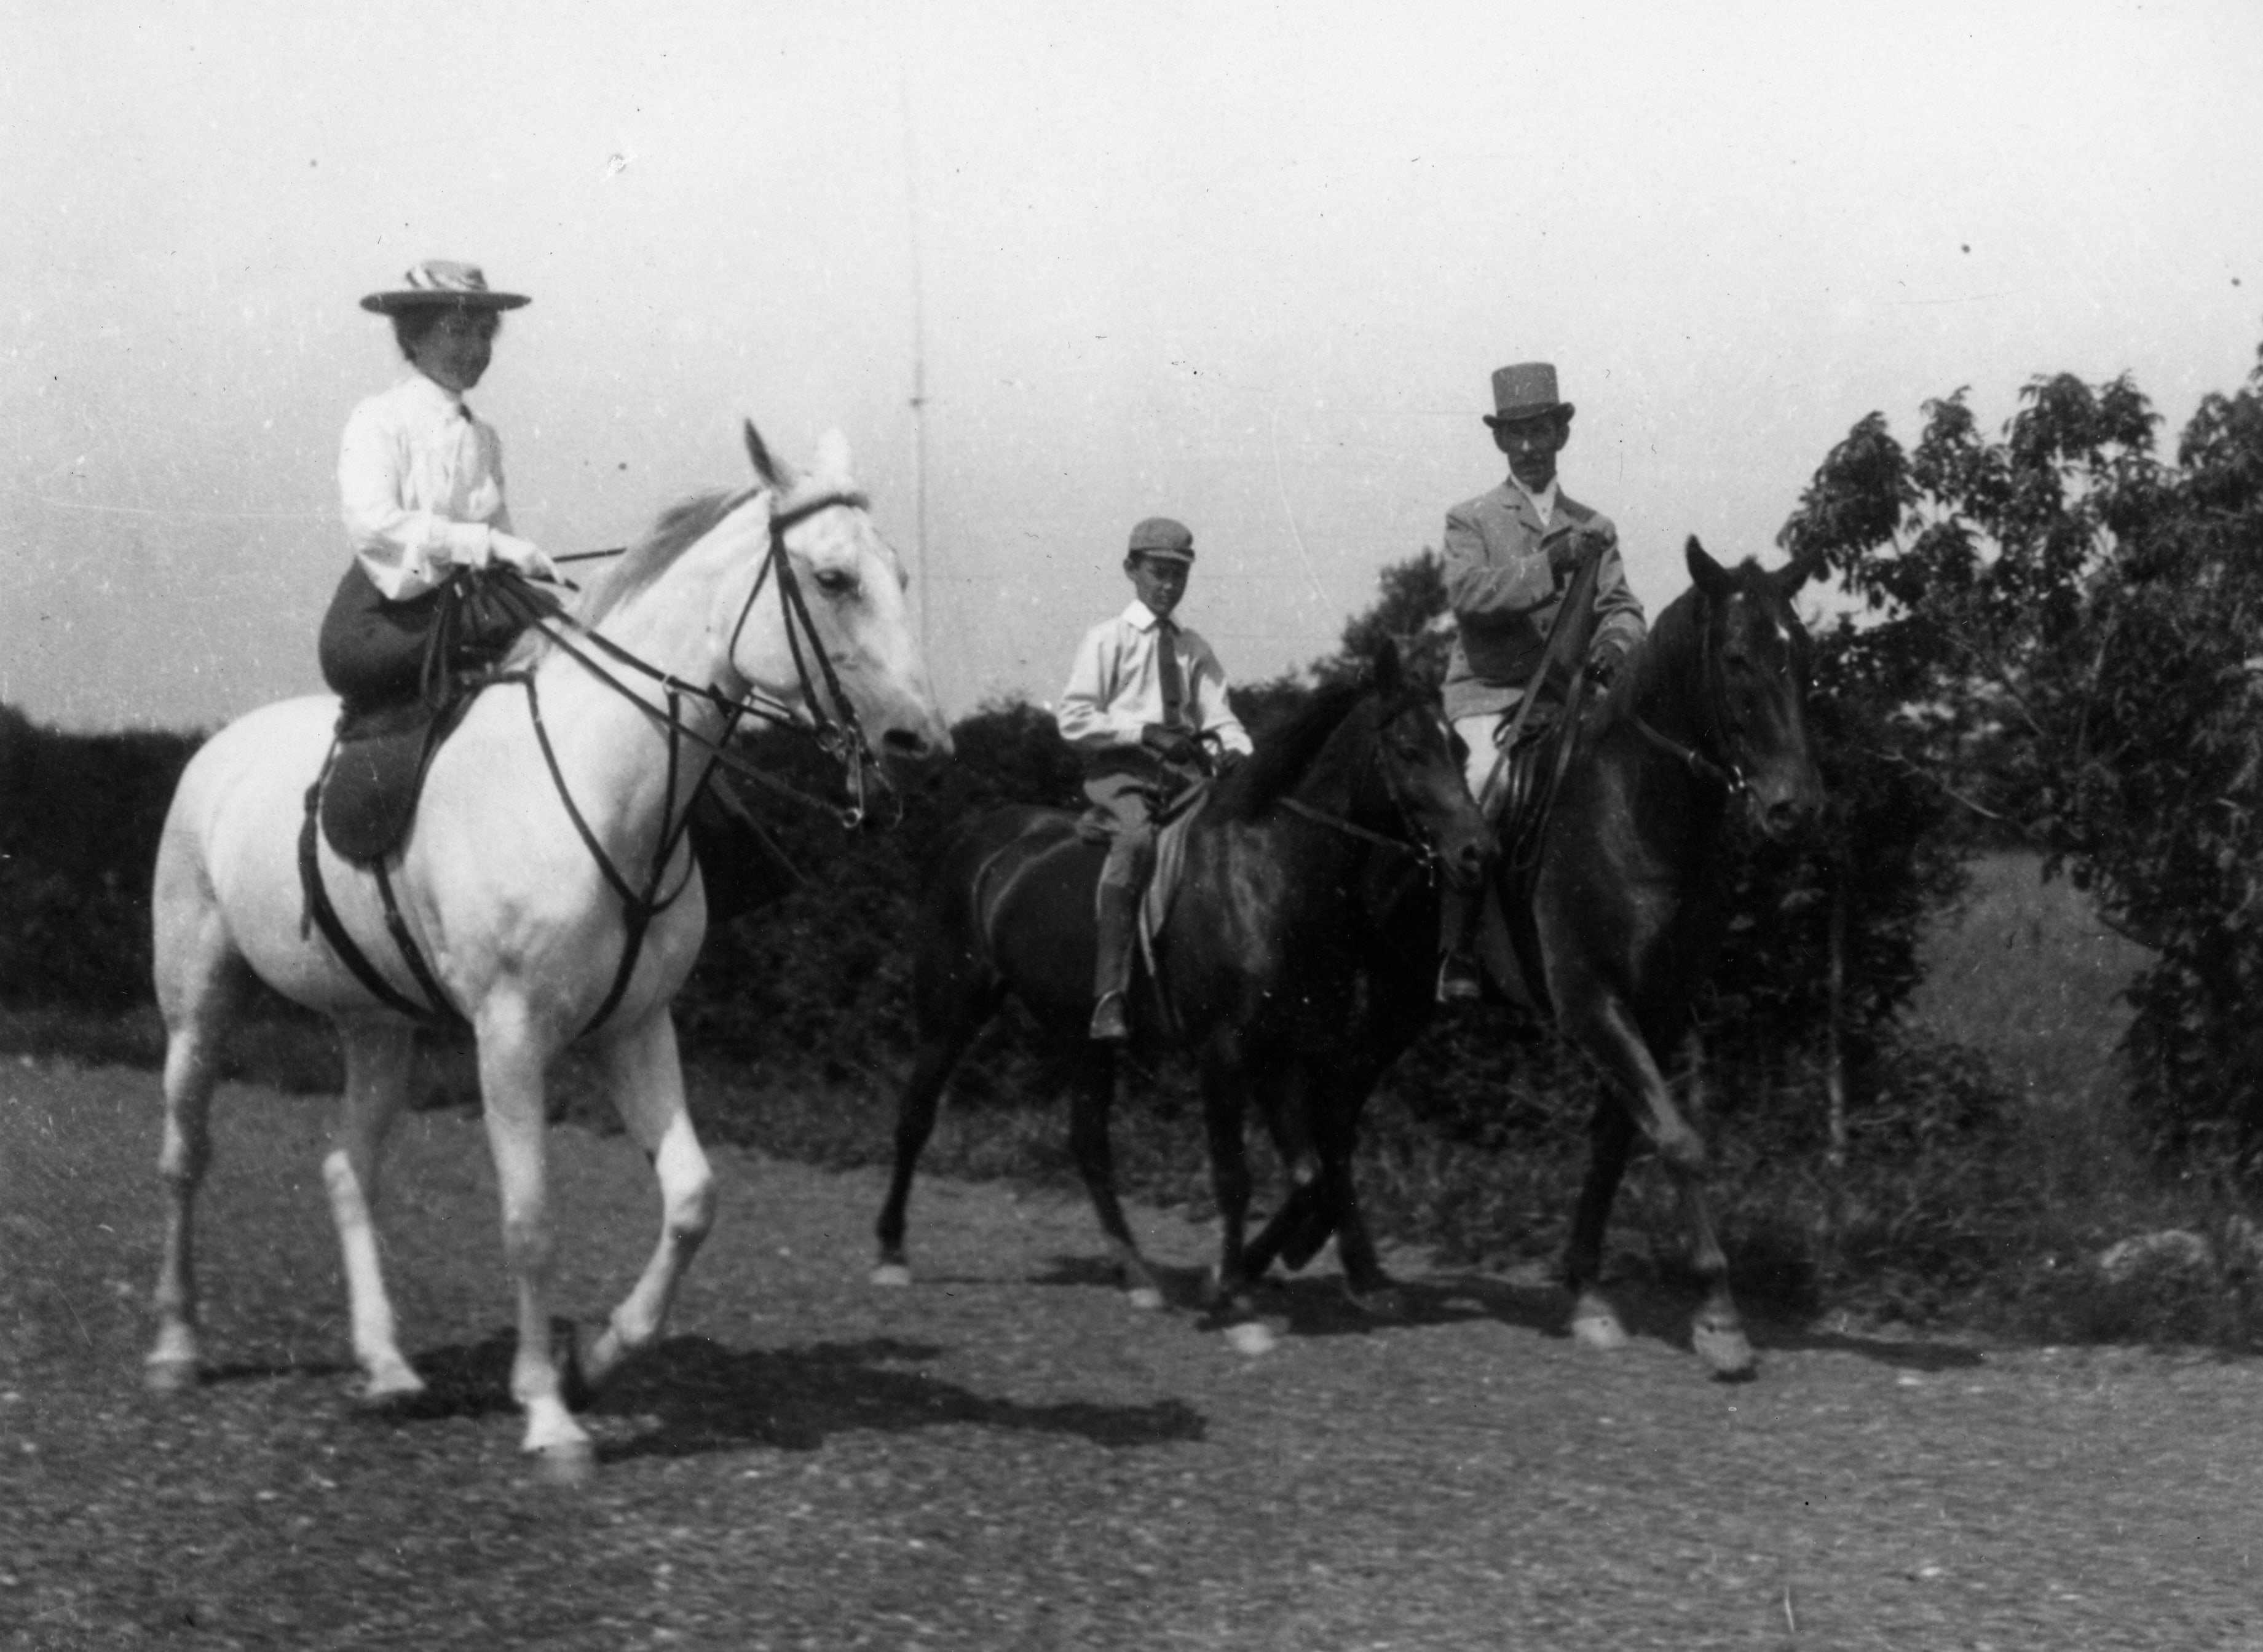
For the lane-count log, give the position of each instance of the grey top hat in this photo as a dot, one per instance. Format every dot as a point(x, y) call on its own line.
point(1160, 536)
point(445, 283)
point(1526, 390)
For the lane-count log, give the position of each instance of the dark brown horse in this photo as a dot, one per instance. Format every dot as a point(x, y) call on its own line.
point(1269, 933)
point(1615, 923)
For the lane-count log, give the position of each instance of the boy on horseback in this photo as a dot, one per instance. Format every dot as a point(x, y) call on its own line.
point(1143, 698)
point(1509, 554)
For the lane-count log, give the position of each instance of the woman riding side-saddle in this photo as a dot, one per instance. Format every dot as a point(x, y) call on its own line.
point(438, 591)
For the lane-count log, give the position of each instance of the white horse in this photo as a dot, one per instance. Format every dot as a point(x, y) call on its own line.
point(553, 811)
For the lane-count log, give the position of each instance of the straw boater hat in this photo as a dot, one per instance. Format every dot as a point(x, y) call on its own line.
point(1525, 391)
point(443, 283)
point(1160, 536)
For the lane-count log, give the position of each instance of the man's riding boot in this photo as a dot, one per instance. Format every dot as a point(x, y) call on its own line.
point(1117, 909)
point(1459, 979)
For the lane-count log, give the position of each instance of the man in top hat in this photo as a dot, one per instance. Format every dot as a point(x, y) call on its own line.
point(1142, 697)
point(1508, 554)
point(421, 486)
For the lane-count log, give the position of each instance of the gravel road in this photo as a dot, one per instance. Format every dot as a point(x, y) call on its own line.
point(1006, 1456)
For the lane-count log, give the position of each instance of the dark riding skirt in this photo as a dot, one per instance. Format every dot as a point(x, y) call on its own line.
point(375, 651)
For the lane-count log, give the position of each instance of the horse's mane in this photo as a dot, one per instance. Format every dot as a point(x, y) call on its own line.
point(1281, 759)
point(680, 527)
point(1666, 658)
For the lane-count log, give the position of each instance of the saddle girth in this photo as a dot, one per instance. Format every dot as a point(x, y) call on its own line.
point(440, 1011)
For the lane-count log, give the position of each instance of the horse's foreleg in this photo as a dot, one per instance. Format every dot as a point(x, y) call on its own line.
point(1307, 1216)
point(378, 1056)
point(1223, 1108)
point(1095, 1153)
point(199, 978)
point(646, 1079)
point(511, 1093)
point(1610, 1137)
point(1364, 1276)
point(1611, 1036)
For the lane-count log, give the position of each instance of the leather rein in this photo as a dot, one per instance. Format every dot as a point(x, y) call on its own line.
point(1416, 843)
point(831, 721)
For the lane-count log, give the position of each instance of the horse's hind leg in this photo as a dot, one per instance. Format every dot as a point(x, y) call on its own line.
point(645, 1075)
point(377, 1057)
point(941, 1045)
point(200, 978)
point(1095, 1161)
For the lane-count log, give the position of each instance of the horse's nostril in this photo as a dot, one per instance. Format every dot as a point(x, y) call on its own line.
point(903, 743)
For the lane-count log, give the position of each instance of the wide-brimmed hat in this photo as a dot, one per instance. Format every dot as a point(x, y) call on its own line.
point(445, 283)
point(1160, 536)
point(1525, 391)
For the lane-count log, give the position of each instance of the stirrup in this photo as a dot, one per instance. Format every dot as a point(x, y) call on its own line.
point(1457, 980)
point(1109, 1023)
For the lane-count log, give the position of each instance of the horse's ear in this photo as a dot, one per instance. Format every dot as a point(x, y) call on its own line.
point(765, 467)
point(1384, 672)
point(1706, 574)
point(1797, 572)
point(832, 460)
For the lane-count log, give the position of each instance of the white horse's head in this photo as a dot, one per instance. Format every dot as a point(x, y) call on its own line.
point(828, 621)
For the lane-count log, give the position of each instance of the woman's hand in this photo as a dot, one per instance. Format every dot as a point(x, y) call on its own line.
point(524, 554)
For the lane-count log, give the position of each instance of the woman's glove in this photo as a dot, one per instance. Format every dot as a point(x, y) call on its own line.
point(524, 556)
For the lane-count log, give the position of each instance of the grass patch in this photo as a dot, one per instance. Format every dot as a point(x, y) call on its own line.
point(1996, 1163)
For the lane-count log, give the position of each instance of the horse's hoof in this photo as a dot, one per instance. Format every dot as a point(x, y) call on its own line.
point(1723, 1350)
point(166, 1376)
point(1382, 1301)
point(1145, 1298)
point(396, 1387)
point(1597, 1325)
point(895, 1275)
point(1250, 1337)
point(567, 1463)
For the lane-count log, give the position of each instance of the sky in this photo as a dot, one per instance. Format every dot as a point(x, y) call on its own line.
point(1247, 265)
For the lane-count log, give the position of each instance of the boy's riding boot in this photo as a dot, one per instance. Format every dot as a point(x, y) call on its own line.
point(1117, 909)
point(1459, 980)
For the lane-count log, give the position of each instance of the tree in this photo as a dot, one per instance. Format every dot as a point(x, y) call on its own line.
point(2062, 632)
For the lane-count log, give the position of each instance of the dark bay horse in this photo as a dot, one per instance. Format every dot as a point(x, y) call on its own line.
point(1261, 959)
point(1615, 923)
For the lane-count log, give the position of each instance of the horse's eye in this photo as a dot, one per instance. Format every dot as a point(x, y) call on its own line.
point(837, 583)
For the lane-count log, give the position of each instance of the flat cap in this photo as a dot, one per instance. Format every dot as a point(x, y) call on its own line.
point(1160, 536)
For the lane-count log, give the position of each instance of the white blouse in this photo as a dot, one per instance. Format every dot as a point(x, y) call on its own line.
point(420, 482)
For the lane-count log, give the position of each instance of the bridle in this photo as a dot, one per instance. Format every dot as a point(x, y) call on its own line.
point(831, 721)
point(1416, 843)
point(1729, 775)
point(831, 718)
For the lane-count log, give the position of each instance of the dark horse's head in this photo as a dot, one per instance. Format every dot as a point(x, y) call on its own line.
point(1728, 666)
point(1376, 750)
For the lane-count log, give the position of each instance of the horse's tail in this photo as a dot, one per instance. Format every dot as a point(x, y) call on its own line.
point(957, 942)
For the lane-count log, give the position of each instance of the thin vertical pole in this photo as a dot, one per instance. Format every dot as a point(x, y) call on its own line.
point(919, 381)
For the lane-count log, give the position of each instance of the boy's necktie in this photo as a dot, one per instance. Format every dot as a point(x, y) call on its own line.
point(1173, 679)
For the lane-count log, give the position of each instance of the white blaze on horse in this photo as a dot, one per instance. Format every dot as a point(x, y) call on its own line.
point(545, 889)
